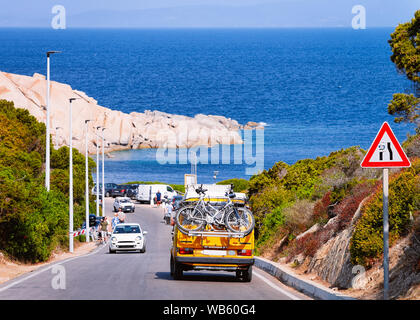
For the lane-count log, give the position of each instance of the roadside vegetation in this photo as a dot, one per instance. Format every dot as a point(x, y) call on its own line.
point(239, 185)
point(33, 222)
point(287, 201)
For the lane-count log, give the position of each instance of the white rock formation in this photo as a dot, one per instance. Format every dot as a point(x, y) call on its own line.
point(151, 129)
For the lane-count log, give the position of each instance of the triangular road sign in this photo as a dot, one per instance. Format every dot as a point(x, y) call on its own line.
point(385, 151)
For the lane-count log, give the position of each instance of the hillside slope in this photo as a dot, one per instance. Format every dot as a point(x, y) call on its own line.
point(324, 217)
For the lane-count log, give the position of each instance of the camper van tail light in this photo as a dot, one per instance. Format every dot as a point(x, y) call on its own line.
point(244, 252)
point(186, 250)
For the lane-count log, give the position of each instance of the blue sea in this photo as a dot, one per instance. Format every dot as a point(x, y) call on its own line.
point(318, 90)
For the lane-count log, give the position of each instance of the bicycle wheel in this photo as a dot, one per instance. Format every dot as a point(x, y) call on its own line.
point(189, 219)
point(240, 220)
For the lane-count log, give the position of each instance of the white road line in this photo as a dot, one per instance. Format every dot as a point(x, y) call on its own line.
point(36, 273)
point(276, 287)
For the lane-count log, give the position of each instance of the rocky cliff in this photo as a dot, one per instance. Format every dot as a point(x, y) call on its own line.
point(150, 129)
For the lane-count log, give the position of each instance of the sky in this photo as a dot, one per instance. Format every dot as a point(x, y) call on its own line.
point(205, 13)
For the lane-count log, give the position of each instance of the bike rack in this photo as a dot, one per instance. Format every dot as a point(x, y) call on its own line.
point(225, 234)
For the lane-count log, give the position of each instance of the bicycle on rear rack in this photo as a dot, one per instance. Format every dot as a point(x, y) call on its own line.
point(197, 217)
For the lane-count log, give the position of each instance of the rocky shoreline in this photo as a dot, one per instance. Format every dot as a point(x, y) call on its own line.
point(150, 129)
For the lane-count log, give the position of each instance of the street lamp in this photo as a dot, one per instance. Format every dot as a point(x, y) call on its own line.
point(87, 181)
point(103, 173)
point(71, 178)
point(97, 174)
point(47, 149)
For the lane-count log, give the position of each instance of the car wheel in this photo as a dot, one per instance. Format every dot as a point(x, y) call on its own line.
point(133, 209)
point(107, 194)
point(111, 251)
point(143, 250)
point(176, 270)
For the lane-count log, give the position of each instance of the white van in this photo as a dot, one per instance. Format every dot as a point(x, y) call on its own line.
point(145, 192)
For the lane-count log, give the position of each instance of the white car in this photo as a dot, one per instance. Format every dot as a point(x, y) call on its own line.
point(127, 237)
point(124, 203)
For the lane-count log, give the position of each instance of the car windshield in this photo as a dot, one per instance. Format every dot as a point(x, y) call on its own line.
point(127, 229)
point(124, 200)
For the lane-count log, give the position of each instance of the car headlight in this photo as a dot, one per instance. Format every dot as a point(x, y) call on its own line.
point(114, 239)
point(138, 238)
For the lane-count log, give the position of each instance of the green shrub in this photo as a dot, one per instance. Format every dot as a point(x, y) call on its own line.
point(404, 192)
point(239, 185)
point(271, 222)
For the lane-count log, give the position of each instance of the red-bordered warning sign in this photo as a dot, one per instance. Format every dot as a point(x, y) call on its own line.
point(385, 151)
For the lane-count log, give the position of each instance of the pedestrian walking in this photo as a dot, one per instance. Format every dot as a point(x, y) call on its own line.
point(158, 198)
point(115, 220)
point(104, 230)
point(121, 215)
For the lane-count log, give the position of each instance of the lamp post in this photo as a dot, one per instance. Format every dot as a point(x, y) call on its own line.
point(87, 181)
point(71, 247)
point(47, 121)
point(97, 173)
point(103, 172)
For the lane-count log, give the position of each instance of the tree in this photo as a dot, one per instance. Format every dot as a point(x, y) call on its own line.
point(405, 45)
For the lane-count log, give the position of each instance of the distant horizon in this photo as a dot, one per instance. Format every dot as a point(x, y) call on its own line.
point(195, 28)
point(208, 14)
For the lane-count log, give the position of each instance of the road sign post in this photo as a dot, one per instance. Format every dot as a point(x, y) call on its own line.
point(385, 152)
point(386, 233)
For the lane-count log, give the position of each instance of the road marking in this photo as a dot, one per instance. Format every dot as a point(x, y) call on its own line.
point(38, 272)
point(276, 287)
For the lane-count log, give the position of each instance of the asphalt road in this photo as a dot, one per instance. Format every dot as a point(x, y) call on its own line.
point(100, 275)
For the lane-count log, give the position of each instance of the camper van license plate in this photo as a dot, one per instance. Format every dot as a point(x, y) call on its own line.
point(215, 252)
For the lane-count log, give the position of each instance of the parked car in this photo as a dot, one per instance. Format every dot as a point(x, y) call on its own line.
point(127, 237)
point(132, 190)
point(108, 188)
point(119, 191)
point(124, 203)
point(145, 192)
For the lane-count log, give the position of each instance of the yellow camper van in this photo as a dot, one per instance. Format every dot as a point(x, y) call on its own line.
point(214, 250)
